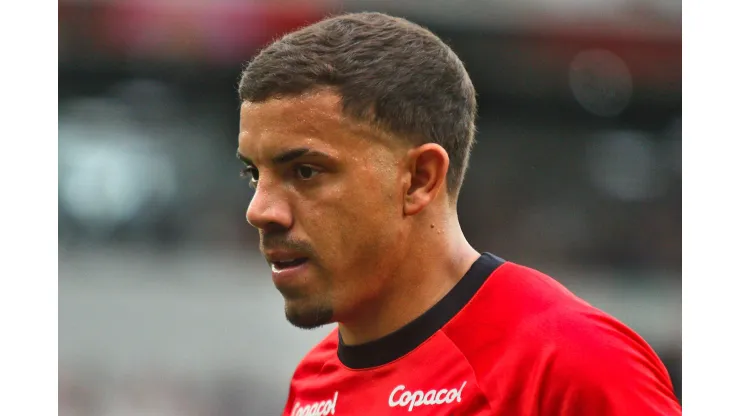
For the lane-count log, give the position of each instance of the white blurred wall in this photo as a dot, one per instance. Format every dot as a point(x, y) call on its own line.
point(206, 310)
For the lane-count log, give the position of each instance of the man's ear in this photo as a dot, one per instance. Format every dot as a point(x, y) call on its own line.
point(427, 166)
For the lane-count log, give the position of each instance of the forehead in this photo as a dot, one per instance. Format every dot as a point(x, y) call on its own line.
point(311, 120)
point(308, 119)
point(304, 109)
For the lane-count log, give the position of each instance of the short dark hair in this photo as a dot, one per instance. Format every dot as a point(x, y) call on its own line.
point(388, 71)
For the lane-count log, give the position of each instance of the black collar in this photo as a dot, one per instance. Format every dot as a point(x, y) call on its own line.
point(406, 339)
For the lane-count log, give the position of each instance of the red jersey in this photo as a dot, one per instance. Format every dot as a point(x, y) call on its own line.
point(506, 340)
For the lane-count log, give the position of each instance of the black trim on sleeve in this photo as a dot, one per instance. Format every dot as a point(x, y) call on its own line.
point(406, 339)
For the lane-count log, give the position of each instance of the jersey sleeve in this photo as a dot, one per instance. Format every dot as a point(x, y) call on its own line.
point(607, 371)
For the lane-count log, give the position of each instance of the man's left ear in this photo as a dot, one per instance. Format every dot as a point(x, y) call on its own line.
point(427, 166)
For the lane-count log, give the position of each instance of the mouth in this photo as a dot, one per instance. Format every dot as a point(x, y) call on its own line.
point(288, 264)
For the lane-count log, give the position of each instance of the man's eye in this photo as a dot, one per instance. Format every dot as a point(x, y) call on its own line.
point(250, 173)
point(306, 172)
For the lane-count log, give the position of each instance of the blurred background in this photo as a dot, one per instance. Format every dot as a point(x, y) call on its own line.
point(166, 307)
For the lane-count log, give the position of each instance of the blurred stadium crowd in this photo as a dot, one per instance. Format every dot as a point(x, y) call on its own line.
point(577, 171)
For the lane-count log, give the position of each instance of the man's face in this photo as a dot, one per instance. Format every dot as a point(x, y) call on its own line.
point(328, 203)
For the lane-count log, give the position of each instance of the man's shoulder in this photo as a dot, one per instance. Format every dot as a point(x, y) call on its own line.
point(516, 296)
point(548, 313)
point(522, 314)
point(527, 324)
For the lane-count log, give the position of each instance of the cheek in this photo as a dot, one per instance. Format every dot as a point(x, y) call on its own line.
point(353, 222)
point(368, 200)
point(369, 218)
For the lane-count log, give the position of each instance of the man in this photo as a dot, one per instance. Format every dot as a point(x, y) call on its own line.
point(355, 133)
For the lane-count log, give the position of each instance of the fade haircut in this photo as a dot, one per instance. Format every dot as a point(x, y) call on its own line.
point(389, 72)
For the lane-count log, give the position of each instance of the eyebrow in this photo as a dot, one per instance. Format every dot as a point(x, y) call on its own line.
point(286, 156)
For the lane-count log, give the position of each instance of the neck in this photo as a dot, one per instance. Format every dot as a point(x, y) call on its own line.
point(437, 260)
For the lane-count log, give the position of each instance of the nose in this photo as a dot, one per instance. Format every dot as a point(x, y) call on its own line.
point(269, 209)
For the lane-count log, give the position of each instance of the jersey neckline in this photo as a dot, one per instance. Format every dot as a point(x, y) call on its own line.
point(399, 343)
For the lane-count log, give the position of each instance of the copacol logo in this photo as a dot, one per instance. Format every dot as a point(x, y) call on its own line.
point(326, 407)
point(402, 397)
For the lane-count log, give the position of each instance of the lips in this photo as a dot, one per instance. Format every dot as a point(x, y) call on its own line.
point(284, 259)
point(287, 267)
point(279, 265)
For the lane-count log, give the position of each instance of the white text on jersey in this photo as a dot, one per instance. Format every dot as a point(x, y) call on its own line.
point(402, 397)
point(327, 407)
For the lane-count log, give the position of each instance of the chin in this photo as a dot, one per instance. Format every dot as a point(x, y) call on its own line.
point(308, 317)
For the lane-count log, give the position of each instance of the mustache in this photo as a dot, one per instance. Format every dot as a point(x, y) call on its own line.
point(283, 242)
